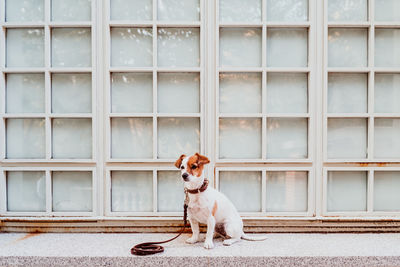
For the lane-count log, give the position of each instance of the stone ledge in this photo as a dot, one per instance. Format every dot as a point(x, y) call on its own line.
point(278, 250)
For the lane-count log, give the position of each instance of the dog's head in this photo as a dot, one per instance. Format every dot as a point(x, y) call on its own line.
point(192, 167)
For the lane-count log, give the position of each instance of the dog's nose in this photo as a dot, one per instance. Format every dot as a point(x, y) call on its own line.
point(185, 176)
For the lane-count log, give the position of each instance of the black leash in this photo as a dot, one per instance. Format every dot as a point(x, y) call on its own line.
point(150, 248)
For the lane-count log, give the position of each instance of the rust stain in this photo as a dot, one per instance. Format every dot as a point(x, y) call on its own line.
point(381, 164)
point(363, 164)
point(29, 235)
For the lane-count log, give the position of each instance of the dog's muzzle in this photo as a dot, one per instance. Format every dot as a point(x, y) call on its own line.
point(185, 176)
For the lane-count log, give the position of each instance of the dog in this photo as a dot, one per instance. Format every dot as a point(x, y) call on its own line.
point(208, 206)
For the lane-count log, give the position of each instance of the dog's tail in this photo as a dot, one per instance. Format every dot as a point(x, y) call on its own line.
point(253, 238)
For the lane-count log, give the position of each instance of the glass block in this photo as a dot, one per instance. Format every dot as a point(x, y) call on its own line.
point(247, 130)
point(347, 92)
point(387, 48)
point(347, 47)
point(178, 92)
point(178, 10)
point(132, 191)
point(26, 191)
point(133, 10)
point(132, 47)
point(387, 10)
point(25, 93)
point(240, 92)
point(71, 93)
point(25, 139)
point(72, 138)
point(71, 47)
point(132, 138)
point(242, 185)
point(72, 191)
point(23, 10)
point(287, 191)
point(170, 191)
point(387, 93)
point(387, 138)
point(386, 191)
point(71, 10)
point(178, 47)
point(347, 138)
point(287, 47)
point(347, 191)
point(287, 92)
point(240, 11)
point(240, 47)
point(131, 92)
point(177, 136)
point(287, 10)
point(348, 10)
point(25, 47)
point(287, 138)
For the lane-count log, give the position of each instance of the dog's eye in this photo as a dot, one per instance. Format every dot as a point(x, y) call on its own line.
point(194, 166)
point(182, 167)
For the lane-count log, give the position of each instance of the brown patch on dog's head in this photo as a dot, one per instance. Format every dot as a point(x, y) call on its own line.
point(179, 161)
point(195, 164)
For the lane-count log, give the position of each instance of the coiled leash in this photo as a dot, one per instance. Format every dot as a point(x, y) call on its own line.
point(150, 248)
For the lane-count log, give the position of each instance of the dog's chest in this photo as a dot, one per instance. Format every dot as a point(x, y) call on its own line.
point(199, 209)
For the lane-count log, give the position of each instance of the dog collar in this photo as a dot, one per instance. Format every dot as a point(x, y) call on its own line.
point(202, 188)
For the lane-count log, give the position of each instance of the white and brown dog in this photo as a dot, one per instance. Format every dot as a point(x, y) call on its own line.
point(207, 205)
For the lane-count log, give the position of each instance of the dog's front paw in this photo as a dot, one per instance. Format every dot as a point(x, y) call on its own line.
point(192, 240)
point(208, 244)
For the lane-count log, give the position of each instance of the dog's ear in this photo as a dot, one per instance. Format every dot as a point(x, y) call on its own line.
point(178, 162)
point(202, 160)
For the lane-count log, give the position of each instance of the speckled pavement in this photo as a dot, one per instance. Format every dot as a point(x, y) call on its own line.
point(18, 249)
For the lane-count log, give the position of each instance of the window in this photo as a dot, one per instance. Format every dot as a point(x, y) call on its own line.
point(295, 102)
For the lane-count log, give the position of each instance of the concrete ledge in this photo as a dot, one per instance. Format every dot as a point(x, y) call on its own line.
point(277, 250)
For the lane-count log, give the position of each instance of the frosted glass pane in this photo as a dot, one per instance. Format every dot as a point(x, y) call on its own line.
point(347, 138)
point(178, 10)
point(387, 10)
point(239, 10)
point(287, 191)
point(386, 191)
point(132, 191)
point(240, 186)
point(287, 10)
point(71, 10)
point(25, 47)
point(132, 47)
point(178, 47)
point(387, 47)
point(26, 191)
point(240, 47)
point(347, 191)
point(133, 10)
point(72, 191)
point(387, 93)
point(170, 191)
point(132, 138)
point(25, 93)
point(132, 92)
point(239, 138)
point(72, 138)
point(347, 47)
point(347, 10)
point(347, 93)
point(71, 47)
point(71, 93)
point(25, 138)
point(287, 47)
point(287, 92)
point(240, 93)
point(24, 10)
point(287, 138)
point(178, 92)
point(177, 136)
point(387, 138)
